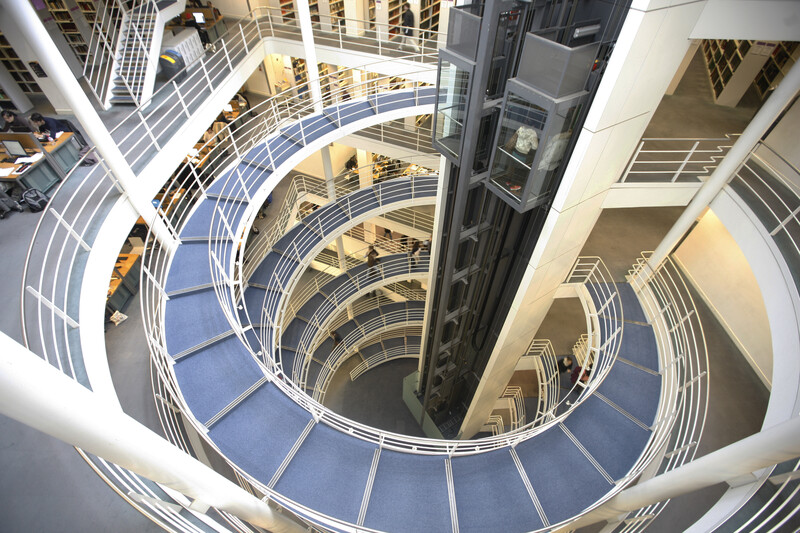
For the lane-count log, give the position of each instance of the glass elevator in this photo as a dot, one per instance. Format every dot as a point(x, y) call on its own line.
point(515, 82)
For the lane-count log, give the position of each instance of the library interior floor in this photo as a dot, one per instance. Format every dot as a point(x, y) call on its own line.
point(47, 487)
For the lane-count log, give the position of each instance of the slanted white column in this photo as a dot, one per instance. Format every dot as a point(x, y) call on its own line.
point(364, 159)
point(24, 16)
point(37, 394)
point(768, 447)
point(327, 168)
point(781, 97)
point(312, 70)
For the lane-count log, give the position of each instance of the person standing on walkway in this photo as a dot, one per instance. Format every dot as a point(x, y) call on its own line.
point(372, 261)
point(408, 27)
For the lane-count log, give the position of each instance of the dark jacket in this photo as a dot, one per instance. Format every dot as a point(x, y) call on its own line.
point(52, 126)
point(20, 125)
point(408, 23)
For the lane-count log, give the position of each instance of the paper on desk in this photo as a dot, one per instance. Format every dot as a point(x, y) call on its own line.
point(6, 172)
point(59, 134)
point(32, 159)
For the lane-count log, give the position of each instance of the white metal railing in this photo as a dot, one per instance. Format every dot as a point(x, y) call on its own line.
point(145, 131)
point(545, 362)
point(676, 159)
point(770, 185)
point(401, 135)
point(681, 415)
point(139, 31)
point(604, 337)
point(338, 32)
point(304, 188)
point(399, 352)
point(302, 293)
point(323, 320)
point(364, 333)
point(115, 27)
point(581, 350)
point(494, 425)
point(100, 58)
point(516, 407)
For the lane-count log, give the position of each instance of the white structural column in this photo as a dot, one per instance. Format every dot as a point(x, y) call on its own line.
point(769, 447)
point(364, 159)
point(37, 394)
point(327, 168)
point(781, 97)
point(312, 70)
point(24, 16)
point(650, 48)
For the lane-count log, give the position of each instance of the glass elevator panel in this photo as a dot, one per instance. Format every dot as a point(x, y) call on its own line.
point(450, 107)
point(535, 130)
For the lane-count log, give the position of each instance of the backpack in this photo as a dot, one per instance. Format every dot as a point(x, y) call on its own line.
point(88, 160)
point(35, 199)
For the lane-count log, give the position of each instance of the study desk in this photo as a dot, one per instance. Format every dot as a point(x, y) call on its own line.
point(64, 152)
point(165, 207)
point(210, 25)
point(124, 282)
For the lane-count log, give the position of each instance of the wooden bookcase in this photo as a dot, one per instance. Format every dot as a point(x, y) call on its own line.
point(429, 15)
point(337, 10)
point(63, 18)
point(394, 15)
point(732, 66)
point(777, 65)
point(17, 68)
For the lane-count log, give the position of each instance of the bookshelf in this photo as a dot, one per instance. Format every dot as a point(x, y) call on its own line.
point(287, 10)
point(732, 65)
point(63, 18)
point(394, 16)
point(337, 10)
point(17, 68)
point(776, 66)
point(429, 15)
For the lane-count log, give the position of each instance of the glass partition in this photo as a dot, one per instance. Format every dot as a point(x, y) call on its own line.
point(534, 133)
point(464, 28)
point(451, 106)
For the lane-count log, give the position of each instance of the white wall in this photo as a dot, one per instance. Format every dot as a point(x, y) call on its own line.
point(783, 140)
point(234, 8)
point(718, 269)
point(771, 20)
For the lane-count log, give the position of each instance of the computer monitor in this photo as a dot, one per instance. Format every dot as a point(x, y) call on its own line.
point(14, 148)
point(199, 18)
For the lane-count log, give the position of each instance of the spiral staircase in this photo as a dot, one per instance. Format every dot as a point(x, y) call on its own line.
point(247, 373)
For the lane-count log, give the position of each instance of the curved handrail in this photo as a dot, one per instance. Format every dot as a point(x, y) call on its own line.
point(304, 188)
point(304, 292)
point(163, 112)
point(544, 358)
point(400, 352)
point(387, 322)
point(322, 320)
point(679, 424)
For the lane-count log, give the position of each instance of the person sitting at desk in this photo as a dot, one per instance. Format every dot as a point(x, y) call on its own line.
point(15, 123)
point(48, 126)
